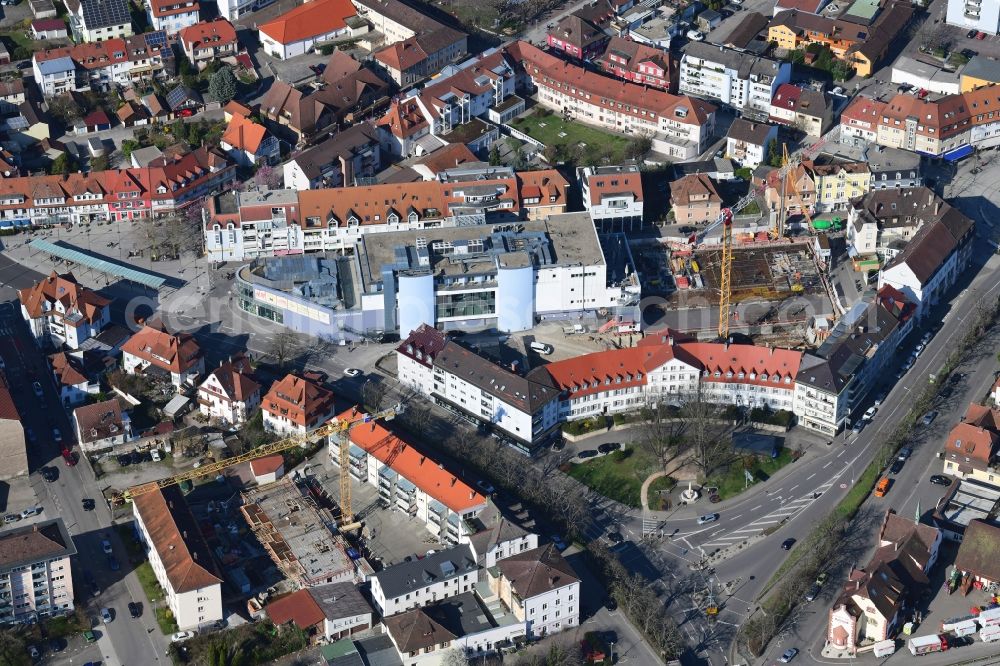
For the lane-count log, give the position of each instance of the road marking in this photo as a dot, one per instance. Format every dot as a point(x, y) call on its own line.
point(756, 507)
point(736, 516)
point(828, 464)
point(810, 476)
point(842, 452)
point(793, 487)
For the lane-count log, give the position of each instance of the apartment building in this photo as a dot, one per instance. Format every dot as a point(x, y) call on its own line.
point(408, 480)
point(743, 81)
point(13, 442)
point(577, 37)
point(172, 16)
point(859, 121)
point(884, 221)
point(416, 45)
point(421, 582)
point(99, 20)
point(60, 311)
point(748, 142)
point(75, 379)
point(638, 63)
point(234, 9)
point(540, 588)
point(155, 350)
point(838, 183)
point(101, 425)
point(343, 160)
point(180, 557)
point(694, 199)
point(795, 193)
point(979, 15)
point(102, 65)
point(229, 393)
point(810, 111)
point(971, 448)
point(209, 40)
point(892, 168)
point(613, 196)
point(36, 580)
point(680, 126)
point(295, 405)
point(249, 144)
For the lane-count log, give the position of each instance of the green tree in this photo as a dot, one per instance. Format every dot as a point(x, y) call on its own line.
point(62, 165)
point(222, 85)
point(494, 156)
point(773, 154)
point(128, 145)
point(99, 163)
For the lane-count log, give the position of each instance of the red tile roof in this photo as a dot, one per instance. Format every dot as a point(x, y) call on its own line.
point(67, 369)
point(318, 17)
point(602, 185)
point(163, 8)
point(266, 465)
point(683, 190)
point(607, 370)
point(302, 401)
point(99, 420)
point(208, 33)
point(45, 25)
point(175, 353)
point(402, 56)
point(432, 478)
point(547, 185)
point(404, 118)
point(423, 344)
point(968, 441)
point(39, 300)
point(298, 607)
point(863, 112)
point(234, 377)
point(244, 134)
point(779, 366)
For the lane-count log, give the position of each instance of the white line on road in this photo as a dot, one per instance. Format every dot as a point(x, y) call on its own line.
point(736, 516)
point(756, 507)
point(828, 464)
point(810, 476)
point(842, 452)
point(793, 487)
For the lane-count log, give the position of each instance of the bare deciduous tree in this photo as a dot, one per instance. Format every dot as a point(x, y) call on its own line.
point(373, 394)
point(708, 448)
point(284, 347)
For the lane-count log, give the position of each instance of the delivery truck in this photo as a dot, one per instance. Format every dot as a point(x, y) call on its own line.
point(966, 628)
point(927, 645)
point(884, 648)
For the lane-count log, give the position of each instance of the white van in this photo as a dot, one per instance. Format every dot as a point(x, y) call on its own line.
point(541, 348)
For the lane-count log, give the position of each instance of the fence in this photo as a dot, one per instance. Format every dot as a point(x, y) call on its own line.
point(518, 134)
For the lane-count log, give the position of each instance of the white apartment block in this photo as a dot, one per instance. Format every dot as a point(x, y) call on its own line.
point(981, 15)
point(613, 196)
point(743, 81)
point(229, 394)
point(234, 9)
point(416, 584)
point(181, 560)
point(172, 16)
point(36, 580)
point(59, 311)
point(540, 588)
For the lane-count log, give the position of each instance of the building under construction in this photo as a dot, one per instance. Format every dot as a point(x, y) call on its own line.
point(770, 272)
point(298, 531)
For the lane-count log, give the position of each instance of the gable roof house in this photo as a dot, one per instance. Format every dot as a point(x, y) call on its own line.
point(970, 452)
point(695, 199)
point(877, 598)
point(639, 63)
point(977, 554)
point(249, 143)
point(75, 379)
point(229, 393)
point(101, 425)
point(577, 37)
point(153, 347)
point(339, 161)
point(172, 16)
point(180, 557)
point(748, 142)
point(540, 588)
point(297, 31)
point(296, 405)
point(810, 111)
point(99, 20)
point(209, 40)
point(60, 311)
point(408, 585)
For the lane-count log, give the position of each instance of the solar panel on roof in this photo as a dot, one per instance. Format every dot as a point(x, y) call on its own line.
point(103, 13)
point(158, 38)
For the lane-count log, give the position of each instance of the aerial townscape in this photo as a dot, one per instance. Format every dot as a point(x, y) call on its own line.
point(541, 333)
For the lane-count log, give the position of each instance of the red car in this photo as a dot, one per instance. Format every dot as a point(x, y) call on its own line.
point(922, 93)
point(185, 113)
point(980, 35)
point(68, 457)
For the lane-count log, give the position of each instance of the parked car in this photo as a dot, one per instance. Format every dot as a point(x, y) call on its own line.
point(37, 387)
point(106, 615)
point(155, 455)
point(897, 467)
point(56, 435)
point(813, 592)
point(587, 453)
point(787, 544)
point(113, 563)
point(68, 457)
point(32, 437)
point(695, 35)
point(614, 538)
point(870, 413)
point(558, 543)
point(106, 547)
point(11, 518)
point(181, 636)
point(940, 480)
point(980, 36)
point(486, 487)
point(905, 453)
point(88, 504)
point(788, 655)
point(134, 609)
point(859, 425)
point(31, 511)
point(971, 34)
point(34, 653)
point(352, 372)
point(608, 447)
point(541, 348)
point(708, 518)
point(929, 417)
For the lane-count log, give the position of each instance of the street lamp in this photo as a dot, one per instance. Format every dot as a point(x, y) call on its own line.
point(612, 651)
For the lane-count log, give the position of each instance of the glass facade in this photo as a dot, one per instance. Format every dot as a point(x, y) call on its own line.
point(475, 304)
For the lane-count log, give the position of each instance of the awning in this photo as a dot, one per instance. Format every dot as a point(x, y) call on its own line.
point(958, 153)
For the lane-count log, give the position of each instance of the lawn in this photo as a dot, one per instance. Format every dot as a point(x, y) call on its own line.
point(618, 476)
point(662, 483)
point(732, 481)
point(573, 141)
point(149, 583)
point(165, 618)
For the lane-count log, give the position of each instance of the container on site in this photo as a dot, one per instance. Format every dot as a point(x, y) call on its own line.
point(951, 623)
point(989, 617)
point(965, 628)
point(927, 644)
point(990, 633)
point(884, 649)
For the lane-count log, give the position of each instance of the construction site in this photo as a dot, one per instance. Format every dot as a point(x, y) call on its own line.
point(295, 521)
point(769, 272)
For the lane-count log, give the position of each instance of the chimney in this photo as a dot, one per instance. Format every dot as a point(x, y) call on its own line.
point(937, 207)
point(930, 197)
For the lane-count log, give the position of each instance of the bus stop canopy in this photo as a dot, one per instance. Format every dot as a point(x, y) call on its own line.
point(69, 253)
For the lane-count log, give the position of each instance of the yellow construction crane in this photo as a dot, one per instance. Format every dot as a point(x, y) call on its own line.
point(725, 288)
point(786, 180)
point(338, 428)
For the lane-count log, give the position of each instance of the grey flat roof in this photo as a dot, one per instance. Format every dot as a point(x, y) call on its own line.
point(971, 501)
point(340, 600)
point(447, 564)
point(983, 67)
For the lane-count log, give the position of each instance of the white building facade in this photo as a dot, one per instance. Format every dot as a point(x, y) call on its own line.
point(36, 580)
point(418, 583)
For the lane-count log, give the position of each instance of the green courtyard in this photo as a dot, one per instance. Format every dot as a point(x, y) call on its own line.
point(619, 476)
point(578, 143)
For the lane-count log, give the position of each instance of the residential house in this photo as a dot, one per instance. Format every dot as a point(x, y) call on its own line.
point(748, 142)
point(327, 612)
point(267, 469)
point(930, 264)
point(804, 109)
point(638, 63)
point(979, 72)
point(884, 221)
point(234, 9)
point(408, 480)
point(157, 110)
point(577, 37)
point(54, 77)
point(229, 393)
point(74, 379)
point(249, 144)
point(877, 599)
point(501, 536)
point(49, 29)
point(859, 121)
point(971, 449)
point(184, 101)
point(207, 41)
point(13, 443)
point(543, 192)
point(60, 311)
point(42, 9)
point(746, 35)
point(101, 425)
point(296, 405)
point(133, 114)
point(694, 199)
point(11, 95)
point(743, 81)
point(180, 557)
point(172, 16)
point(99, 20)
point(794, 194)
point(976, 559)
point(838, 183)
point(613, 196)
point(977, 15)
point(420, 582)
point(892, 168)
point(679, 126)
point(153, 348)
point(540, 588)
point(36, 572)
point(299, 30)
point(429, 45)
point(343, 160)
